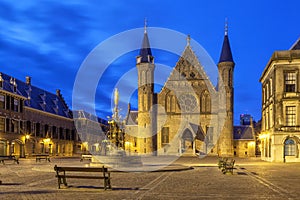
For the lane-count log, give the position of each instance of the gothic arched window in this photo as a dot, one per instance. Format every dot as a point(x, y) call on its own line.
point(205, 102)
point(168, 104)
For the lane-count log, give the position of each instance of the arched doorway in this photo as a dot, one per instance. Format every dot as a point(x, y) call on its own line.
point(187, 142)
point(3, 147)
point(17, 148)
point(289, 147)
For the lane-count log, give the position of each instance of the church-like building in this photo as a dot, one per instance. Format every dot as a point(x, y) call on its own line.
point(189, 114)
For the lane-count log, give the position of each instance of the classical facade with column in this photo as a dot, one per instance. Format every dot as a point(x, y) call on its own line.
point(280, 131)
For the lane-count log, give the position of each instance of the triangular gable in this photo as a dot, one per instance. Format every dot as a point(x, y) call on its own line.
point(188, 68)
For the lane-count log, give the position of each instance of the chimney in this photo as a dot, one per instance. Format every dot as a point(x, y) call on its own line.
point(28, 80)
point(58, 92)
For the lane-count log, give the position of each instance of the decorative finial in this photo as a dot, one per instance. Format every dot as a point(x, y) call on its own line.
point(226, 26)
point(145, 25)
point(188, 40)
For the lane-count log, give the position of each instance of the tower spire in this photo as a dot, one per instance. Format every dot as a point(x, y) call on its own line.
point(145, 25)
point(226, 26)
point(226, 55)
point(145, 55)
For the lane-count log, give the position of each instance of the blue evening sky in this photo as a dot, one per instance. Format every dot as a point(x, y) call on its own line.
point(49, 40)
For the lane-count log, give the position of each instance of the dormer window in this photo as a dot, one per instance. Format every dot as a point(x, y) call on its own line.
point(15, 85)
point(12, 81)
point(55, 106)
point(43, 96)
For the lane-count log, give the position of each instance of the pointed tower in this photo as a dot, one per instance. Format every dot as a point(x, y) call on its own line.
point(145, 67)
point(226, 67)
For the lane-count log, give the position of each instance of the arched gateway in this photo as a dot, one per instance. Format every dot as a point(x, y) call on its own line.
point(187, 142)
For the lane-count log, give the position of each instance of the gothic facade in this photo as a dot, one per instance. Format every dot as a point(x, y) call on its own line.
point(189, 114)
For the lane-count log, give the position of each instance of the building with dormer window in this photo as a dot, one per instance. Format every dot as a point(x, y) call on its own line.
point(33, 120)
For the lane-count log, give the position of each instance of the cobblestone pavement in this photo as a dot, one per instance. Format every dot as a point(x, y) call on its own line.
point(252, 179)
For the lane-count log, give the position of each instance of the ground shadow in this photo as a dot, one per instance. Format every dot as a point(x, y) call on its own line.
point(28, 192)
point(101, 188)
point(11, 183)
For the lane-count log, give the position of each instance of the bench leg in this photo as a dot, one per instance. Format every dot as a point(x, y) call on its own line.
point(59, 182)
point(108, 182)
point(65, 181)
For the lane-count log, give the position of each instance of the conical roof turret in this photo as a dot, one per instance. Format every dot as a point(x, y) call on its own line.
point(226, 55)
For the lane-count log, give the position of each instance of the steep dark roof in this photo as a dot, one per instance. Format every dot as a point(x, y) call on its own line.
point(296, 46)
point(243, 133)
point(199, 131)
point(145, 50)
point(132, 118)
point(37, 98)
point(81, 114)
point(226, 55)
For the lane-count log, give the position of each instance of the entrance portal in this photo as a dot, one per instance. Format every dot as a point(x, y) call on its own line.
point(187, 142)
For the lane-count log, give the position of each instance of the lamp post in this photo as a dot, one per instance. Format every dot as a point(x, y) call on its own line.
point(27, 138)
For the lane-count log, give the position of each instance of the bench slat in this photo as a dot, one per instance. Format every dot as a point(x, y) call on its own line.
point(82, 177)
point(81, 169)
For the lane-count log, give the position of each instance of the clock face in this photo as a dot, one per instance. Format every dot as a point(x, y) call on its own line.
point(188, 103)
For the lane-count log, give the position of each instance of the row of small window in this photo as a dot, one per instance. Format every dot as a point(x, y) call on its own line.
point(290, 84)
point(290, 117)
point(11, 103)
point(289, 147)
point(38, 130)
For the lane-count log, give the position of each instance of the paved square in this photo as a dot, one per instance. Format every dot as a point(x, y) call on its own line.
point(252, 179)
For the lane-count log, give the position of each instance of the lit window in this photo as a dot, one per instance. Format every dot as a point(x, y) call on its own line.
point(289, 147)
point(291, 115)
point(290, 81)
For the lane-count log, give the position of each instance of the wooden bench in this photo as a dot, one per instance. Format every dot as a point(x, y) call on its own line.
point(86, 157)
point(39, 157)
point(229, 166)
point(62, 173)
point(13, 158)
point(222, 162)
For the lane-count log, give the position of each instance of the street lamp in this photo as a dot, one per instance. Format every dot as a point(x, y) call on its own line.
point(27, 137)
